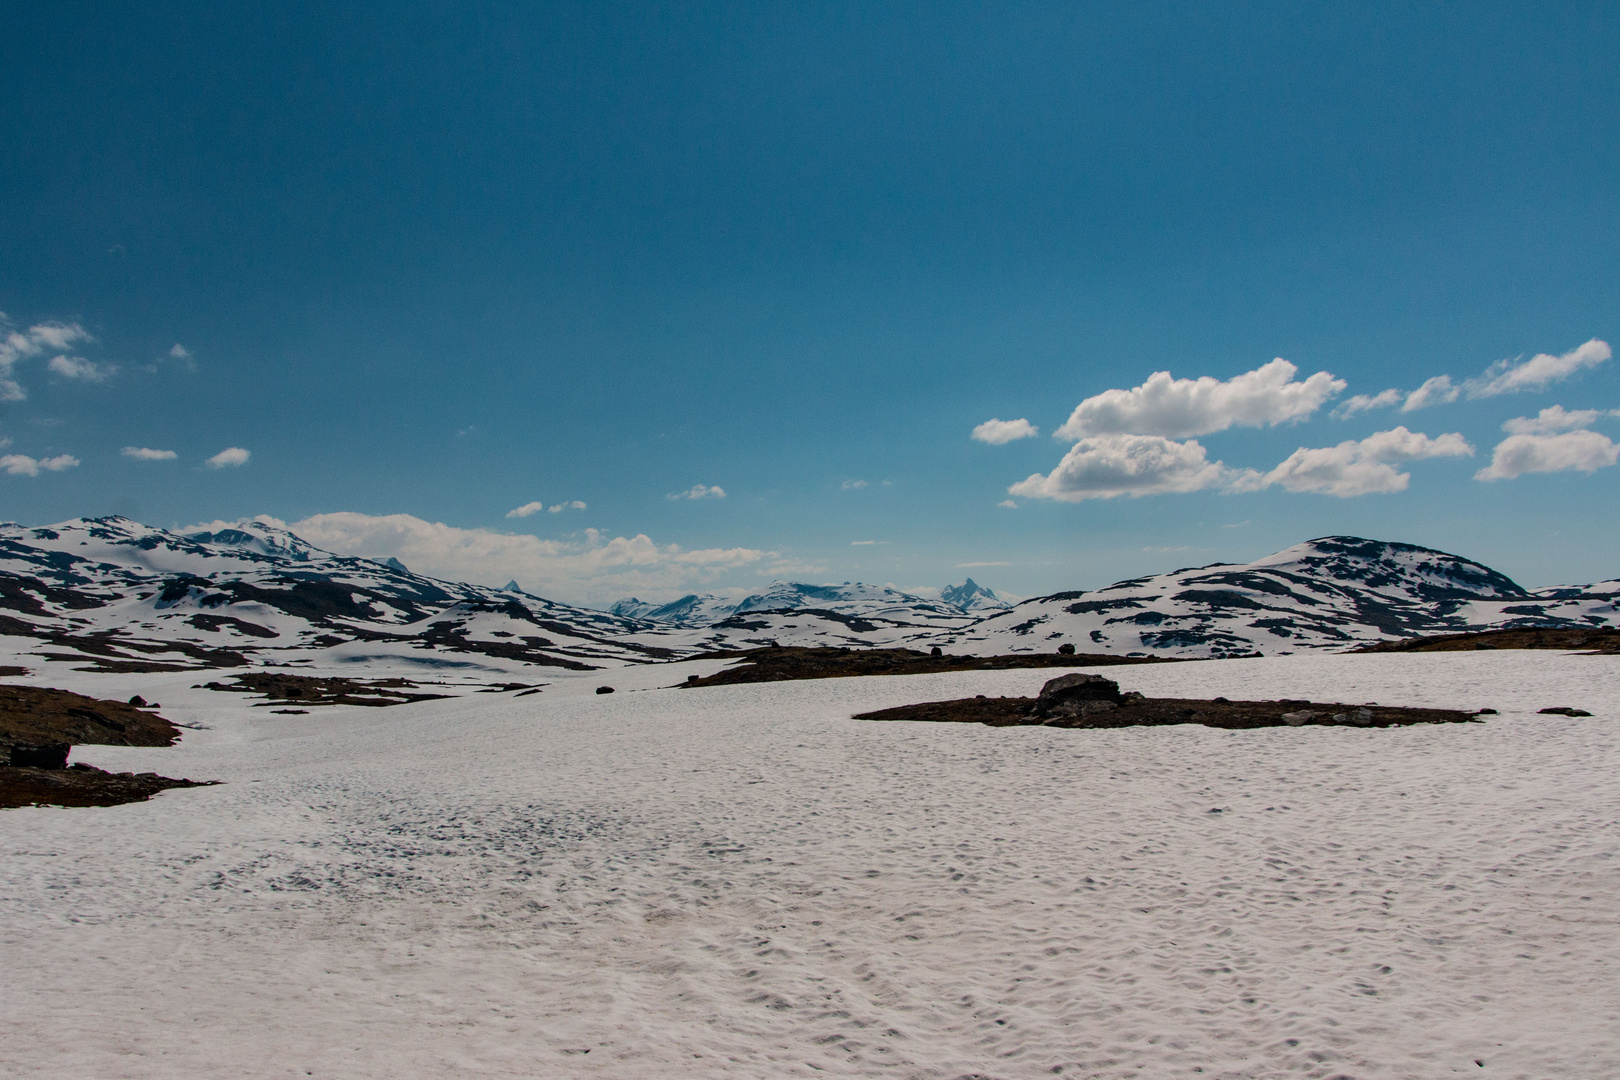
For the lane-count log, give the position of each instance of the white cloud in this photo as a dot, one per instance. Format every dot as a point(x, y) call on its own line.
point(1107, 466)
point(1001, 432)
point(1176, 408)
point(1362, 468)
point(866, 543)
point(1366, 402)
point(589, 569)
point(23, 465)
point(180, 352)
point(19, 344)
point(230, 457)
point(1511, 376)
point(700, 491)
point(1436, 391)
point(141, 453)
point(558, 508)
point(1555, 418)
point(1519, 454)
point(526, 509)
point(853, 485)
point(1007, 504)
point(77, 367)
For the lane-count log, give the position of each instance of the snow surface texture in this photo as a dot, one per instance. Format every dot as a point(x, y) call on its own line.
point(740, 881)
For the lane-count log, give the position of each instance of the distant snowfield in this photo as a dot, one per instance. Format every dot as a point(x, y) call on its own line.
point(740, 881)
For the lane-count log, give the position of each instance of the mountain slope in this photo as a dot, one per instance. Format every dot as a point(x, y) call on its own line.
point(1334, 592)
point(123, 596)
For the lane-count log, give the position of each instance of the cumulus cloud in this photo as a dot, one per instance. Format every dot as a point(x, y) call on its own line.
point(591, 568)
point(142, 453)
point(1001, 432)
point(1436, 391)
point(1007, 504)
point(526, 509)
point(1362, 468)
point(1511, 376)
point(1177, 408)
point(20, 344)
point(1107, 466)
point(699, 491)
point(80, 369)
point(1555, 418)
point(230, 457)
point(1516, 455)
point(23, 465)
point(1367, 402)
point(572, 504)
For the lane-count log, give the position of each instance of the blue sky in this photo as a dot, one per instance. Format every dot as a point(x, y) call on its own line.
point(430, 265)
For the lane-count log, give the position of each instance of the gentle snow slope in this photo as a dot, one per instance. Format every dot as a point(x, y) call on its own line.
point(741, 881)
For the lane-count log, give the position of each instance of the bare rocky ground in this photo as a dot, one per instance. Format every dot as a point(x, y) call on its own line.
point(38, 727)
point(1596, 639)
point(783, 663)
point(1091, 701)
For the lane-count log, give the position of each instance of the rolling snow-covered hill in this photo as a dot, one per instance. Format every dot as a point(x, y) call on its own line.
point(113, 595)
point(1335, 592)
point(125, 597)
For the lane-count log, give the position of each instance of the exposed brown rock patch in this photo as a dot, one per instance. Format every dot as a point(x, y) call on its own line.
point(81, 785)
point(781, 664)
point(1604, 639)
point(283, 689)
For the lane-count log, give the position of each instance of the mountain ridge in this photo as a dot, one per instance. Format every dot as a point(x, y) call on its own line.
point(118, 595)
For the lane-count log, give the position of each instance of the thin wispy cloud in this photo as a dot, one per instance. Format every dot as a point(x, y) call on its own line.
point(853, 485)
point(1001, 432)
point(1365, 402)
point(23, 465)
point(866, 543)
point(1538, 372)
point(1176, 408)
point(144, 453)
point(976, 565)
point(699, 491)
point(229, 458)
point(80, 369)
point(1556, 418)
point(40, 338)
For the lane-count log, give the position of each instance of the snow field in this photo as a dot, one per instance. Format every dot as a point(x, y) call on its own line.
point(740, 881)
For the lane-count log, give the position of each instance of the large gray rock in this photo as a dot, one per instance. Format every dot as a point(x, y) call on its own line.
point(1069, 696)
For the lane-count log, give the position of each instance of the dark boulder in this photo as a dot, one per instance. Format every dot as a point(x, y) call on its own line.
point(604, 689)
point(47, 756)
point(1072, 696)
point(1066, 649)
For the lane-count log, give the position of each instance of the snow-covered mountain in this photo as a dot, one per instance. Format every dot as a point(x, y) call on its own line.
point(1335, 592)
point(114, 595)
point(972, 597)
point(122, 596)
point(857, 600)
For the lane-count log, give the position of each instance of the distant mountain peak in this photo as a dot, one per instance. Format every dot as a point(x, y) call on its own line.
point(972, 597)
